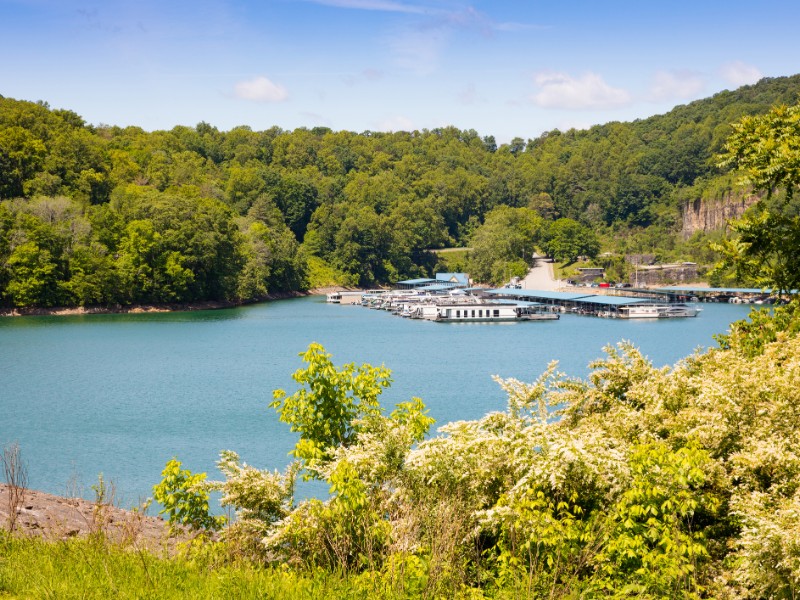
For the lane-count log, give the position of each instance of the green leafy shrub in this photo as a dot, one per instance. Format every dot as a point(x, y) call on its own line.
point(185, 499)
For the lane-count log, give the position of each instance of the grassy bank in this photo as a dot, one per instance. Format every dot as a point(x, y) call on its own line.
point(90, 568)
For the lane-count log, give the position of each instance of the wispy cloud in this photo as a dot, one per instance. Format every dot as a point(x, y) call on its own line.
point(418, 45)
point(93, 20)
point(466, 16)
point(676, 85)
point(589, 91)
point(419, 50)
point(511, 26)
point(260, 89)
point(376, 5)
point(739, 73)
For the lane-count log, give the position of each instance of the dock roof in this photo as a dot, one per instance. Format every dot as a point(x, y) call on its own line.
point(612, 300)
point(593, 299)
point(538, 294)
point(416, 281)
point(708, 290)
point(508, 301)
point(438, 287)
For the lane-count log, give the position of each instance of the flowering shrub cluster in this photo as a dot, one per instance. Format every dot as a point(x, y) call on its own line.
point(639, 481)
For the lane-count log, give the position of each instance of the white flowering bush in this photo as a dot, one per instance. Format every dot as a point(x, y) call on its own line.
point(639, 481)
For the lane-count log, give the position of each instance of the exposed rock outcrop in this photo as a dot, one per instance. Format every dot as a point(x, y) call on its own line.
point(714, 214)
point(665, 274)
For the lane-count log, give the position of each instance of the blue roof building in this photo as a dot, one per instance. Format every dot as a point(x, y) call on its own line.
point(460, 279)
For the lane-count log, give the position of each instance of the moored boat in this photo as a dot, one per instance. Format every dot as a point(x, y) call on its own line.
point(483, 313)
point(656, 311)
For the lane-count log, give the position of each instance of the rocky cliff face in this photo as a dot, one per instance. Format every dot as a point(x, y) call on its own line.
point(665, 274)
point(713, 215)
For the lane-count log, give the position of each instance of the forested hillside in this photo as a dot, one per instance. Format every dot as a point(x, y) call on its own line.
point(108, 215)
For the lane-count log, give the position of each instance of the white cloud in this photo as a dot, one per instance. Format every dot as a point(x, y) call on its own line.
point(396, 123)
point(672, 85)
point(577, 124)
point(739, 73)
point(559, 90)
point(260, 89)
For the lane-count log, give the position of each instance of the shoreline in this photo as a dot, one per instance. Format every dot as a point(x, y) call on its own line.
point(66, 311)
point(52, 517)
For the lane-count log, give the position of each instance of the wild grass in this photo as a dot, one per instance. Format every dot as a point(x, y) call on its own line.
point(89, 568)
point(453, 260)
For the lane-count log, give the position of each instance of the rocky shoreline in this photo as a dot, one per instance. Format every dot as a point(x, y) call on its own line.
point(57, 518)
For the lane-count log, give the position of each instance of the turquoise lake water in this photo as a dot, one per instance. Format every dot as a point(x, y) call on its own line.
point(122, 394)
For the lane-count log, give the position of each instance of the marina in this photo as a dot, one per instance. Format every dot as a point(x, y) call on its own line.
point(447, 299)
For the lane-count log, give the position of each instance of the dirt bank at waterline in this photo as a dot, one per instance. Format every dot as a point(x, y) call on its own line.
point(60, 518)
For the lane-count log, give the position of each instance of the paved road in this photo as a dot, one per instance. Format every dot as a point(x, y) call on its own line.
point(540, 277)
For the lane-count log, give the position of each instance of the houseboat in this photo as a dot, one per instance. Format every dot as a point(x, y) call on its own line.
point(345, 297)
point(656, 311)
point(482, 312)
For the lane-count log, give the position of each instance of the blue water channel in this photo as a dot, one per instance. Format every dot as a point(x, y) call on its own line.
point(122, 394)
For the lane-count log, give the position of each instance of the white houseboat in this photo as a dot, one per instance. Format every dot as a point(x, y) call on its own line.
point(481, 312)
point(345, 297)
point(656, 311)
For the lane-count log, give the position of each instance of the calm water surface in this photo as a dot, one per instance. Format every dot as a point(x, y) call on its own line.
point(122, 394)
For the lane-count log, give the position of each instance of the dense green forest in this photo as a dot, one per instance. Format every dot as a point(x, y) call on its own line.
point(98, 215)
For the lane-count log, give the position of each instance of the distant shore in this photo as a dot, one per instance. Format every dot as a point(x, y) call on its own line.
point(145, 308)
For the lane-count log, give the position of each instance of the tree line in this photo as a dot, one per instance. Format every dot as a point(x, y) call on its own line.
point(102, 214)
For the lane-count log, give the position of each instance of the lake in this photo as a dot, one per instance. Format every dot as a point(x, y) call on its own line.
point(122, 394)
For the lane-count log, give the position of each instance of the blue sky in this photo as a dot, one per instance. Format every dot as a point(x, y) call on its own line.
point(504, 68)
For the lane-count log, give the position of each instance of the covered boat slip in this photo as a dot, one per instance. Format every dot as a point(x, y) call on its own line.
point(601, 305)
point(732, 295)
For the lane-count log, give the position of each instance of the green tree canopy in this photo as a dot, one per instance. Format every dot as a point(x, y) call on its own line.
point(566, 240)
point(504, 245)
point(765, 247)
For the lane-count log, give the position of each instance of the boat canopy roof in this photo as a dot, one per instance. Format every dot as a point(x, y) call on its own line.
point(613, 300)
point(416, 281)
point(516, 302)
point(438, 287)
point(707, 290)
point(538, 294)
